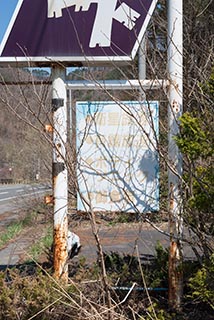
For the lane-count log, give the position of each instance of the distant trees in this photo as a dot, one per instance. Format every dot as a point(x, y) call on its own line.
point(21, 148)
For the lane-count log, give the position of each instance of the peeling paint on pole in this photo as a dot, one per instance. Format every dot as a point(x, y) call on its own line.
point(60, 176)
point(175, 74)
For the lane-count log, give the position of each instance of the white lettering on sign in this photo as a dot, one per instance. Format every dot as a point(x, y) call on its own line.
point(106, 12)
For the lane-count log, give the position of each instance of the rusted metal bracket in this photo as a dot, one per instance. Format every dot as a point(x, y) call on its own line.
point(57, 103)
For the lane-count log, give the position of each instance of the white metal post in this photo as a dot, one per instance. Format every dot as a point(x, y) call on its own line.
point(142, 66)
point(175, 75)
point(142, 59)
point(60, 176)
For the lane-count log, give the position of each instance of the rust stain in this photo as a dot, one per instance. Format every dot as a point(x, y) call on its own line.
point(172, 251)
point(171, 207)
point(172, 273)
point(54, 180)
point(58, 150)
point(175, 106)
point(58, 145)
point(60, 252)
point(175, 260)
point(48, 128)
point(48, 199)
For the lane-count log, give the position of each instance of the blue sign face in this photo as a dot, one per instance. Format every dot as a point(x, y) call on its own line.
point(76, 31)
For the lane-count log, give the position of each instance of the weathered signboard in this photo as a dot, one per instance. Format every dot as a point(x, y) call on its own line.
point(75, 31)
point(117, 156)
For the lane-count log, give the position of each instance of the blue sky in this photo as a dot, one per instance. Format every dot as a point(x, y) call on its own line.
point(6, 11)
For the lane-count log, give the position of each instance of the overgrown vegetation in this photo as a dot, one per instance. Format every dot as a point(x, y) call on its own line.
point(37, 215)
point(11, 231)
point(202, 284)
point(196, 141)
point(30, 291)
point(42, 245)
point(37, 296)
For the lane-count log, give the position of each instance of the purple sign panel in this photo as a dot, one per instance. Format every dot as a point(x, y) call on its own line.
point(75, 31)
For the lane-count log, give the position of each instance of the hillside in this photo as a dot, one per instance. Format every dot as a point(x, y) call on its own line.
point(22, 148)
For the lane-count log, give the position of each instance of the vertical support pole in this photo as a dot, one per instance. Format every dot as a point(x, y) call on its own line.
point(70, 115)
point(142, 65)
point(175, 108)
point(60, 176)
point(74, 153)
point(142, 60)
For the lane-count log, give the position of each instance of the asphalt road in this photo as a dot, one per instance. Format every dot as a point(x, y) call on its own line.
point(12, 196)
